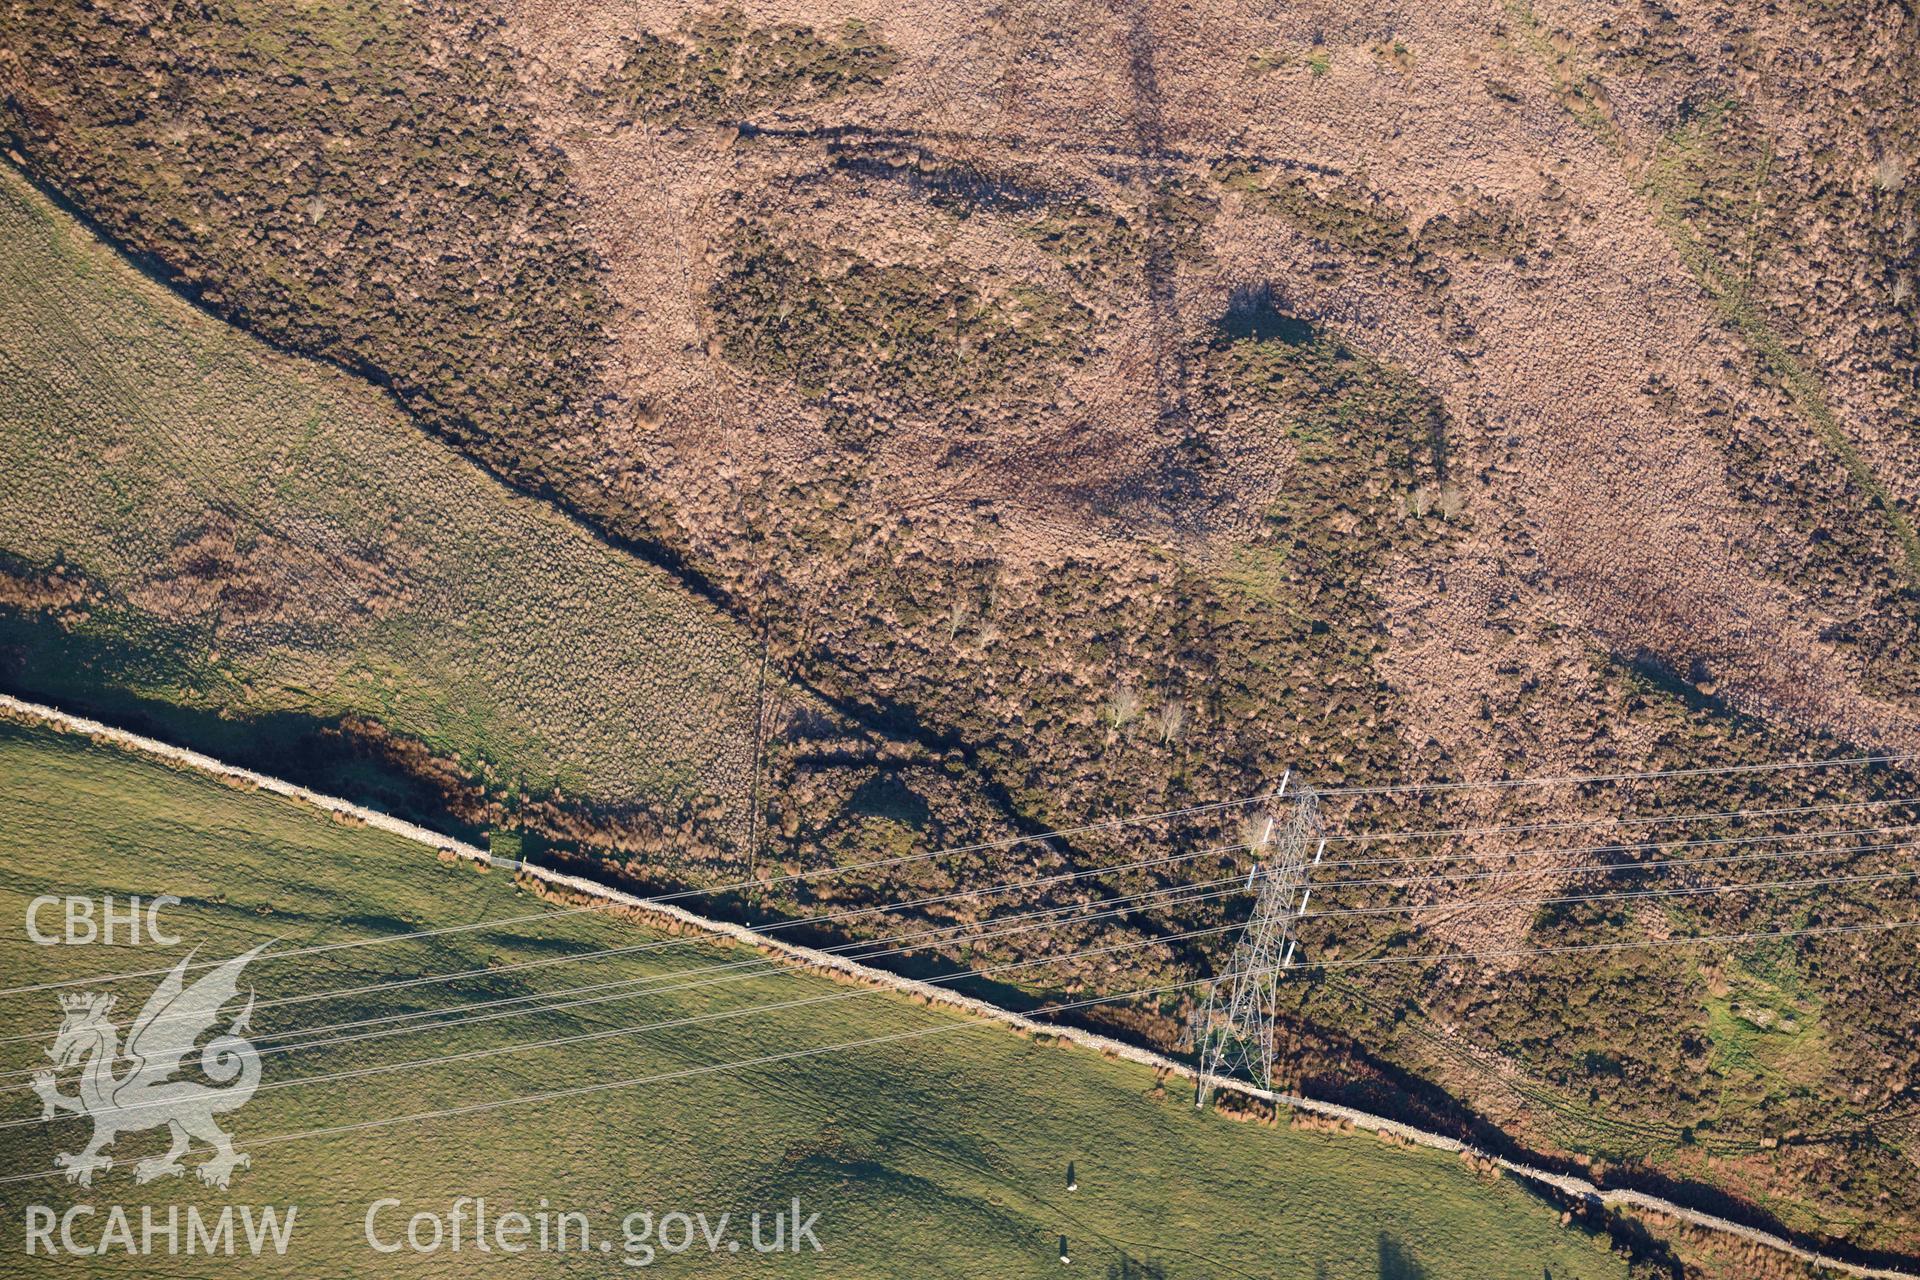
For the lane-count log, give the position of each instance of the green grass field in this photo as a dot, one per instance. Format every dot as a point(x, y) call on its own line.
point(940, 1156)
point(251, 535)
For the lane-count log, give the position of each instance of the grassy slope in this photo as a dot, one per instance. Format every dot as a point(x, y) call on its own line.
point(933, 1157)
point(494, 663)
point(421, 679)
point(265, 535)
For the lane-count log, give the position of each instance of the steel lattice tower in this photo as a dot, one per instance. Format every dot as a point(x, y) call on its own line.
point(1233, 1031)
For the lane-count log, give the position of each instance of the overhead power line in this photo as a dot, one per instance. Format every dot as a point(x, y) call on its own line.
point(1269, 979)
point(1323, 886)
point(706, 891)
point(1521, 865)
point(1692, 891)
point(971, 1024)
point(1590, 779)
point(1600, 820)
point(587, 1037)
point(965, 934)
point(1002, 843)
point(755, 967)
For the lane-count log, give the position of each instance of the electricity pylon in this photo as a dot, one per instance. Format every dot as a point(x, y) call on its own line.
point(1234, 1030)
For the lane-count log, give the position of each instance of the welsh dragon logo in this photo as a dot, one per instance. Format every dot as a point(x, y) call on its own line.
point(144, 1095)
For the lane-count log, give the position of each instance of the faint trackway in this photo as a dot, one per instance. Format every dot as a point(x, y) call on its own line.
point(1566, 1184)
